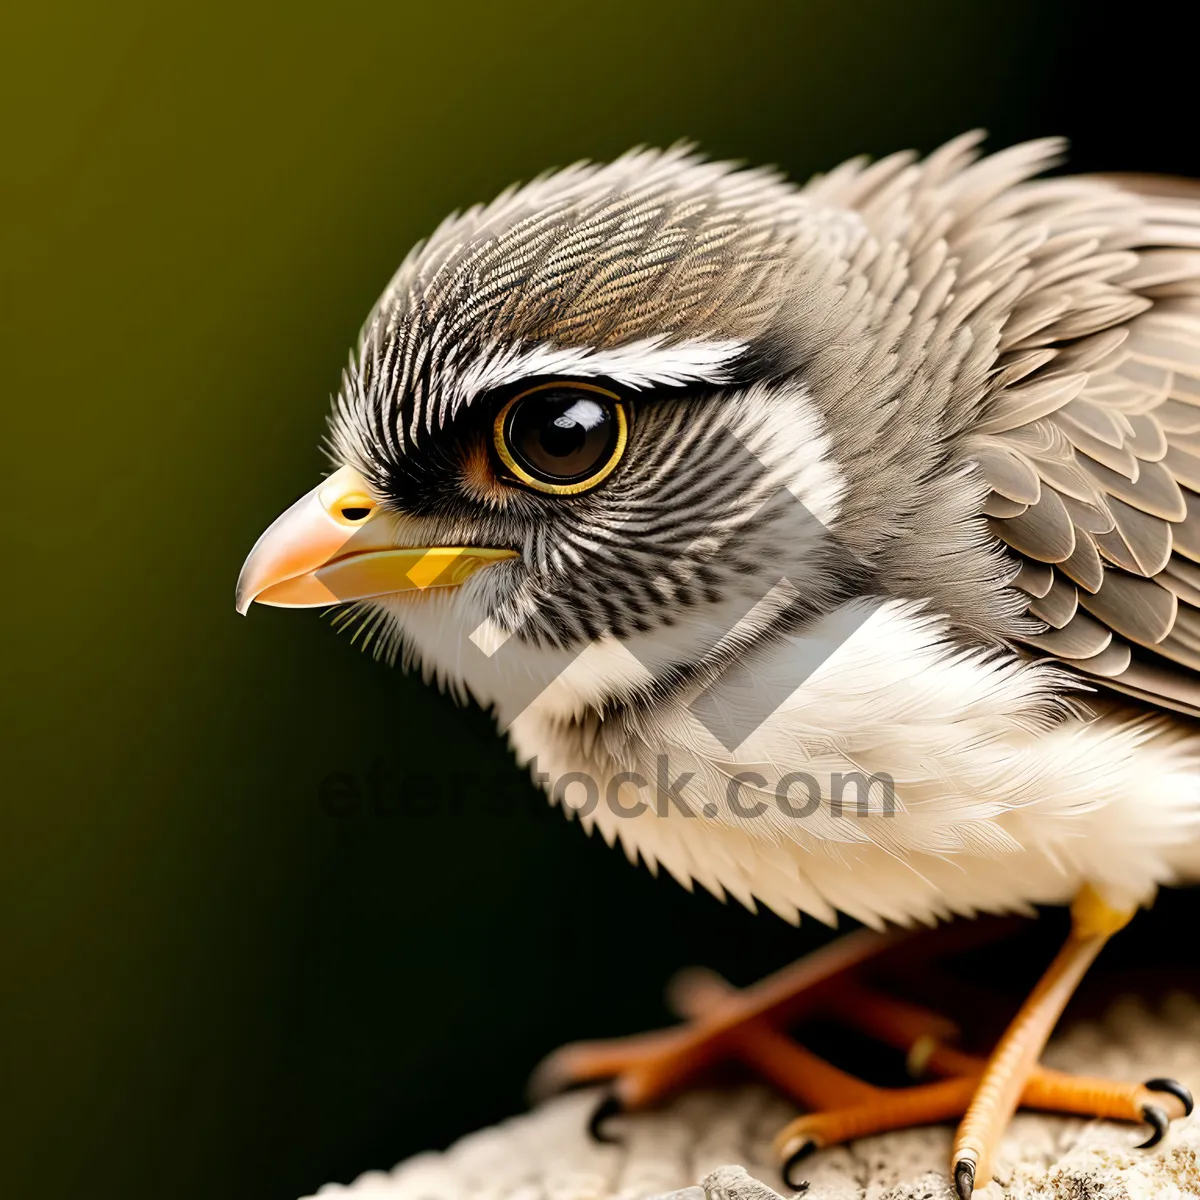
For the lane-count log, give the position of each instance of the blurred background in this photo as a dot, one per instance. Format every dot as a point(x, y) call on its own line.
point(217, 981)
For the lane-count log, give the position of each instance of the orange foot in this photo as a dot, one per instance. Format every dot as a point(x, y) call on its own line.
point(725, 1024)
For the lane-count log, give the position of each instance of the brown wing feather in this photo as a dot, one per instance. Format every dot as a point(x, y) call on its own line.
point(1094, 456)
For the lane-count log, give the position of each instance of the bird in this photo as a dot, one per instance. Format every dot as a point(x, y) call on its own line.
point(833, 546)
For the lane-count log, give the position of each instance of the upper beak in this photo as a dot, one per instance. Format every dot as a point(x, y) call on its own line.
point(332, 546)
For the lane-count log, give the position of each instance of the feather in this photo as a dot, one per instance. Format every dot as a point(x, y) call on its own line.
point(997, 505)
point(1034, 577)
point(1183, 578)
point(1140, 609)
point(1110, 662)
point(1146, 439)
point(1081, 637)
point(1084, 566)
point(1009, 473)
point(1147, 538)
point(1095, 517)
point(1044, 531)
point(1059, 604)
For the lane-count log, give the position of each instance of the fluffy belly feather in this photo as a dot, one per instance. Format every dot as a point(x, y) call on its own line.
point(904, 780)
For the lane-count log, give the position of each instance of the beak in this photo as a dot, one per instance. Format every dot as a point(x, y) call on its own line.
point(333, 546)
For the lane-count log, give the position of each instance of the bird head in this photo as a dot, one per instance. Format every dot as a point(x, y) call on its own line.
point(579, 419)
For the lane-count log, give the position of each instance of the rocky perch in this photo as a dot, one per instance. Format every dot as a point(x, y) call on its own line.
point(716, 1145)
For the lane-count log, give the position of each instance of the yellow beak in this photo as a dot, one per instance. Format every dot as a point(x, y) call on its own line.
point(331, 547)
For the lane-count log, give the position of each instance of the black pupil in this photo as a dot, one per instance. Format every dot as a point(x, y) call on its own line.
point(562, 435)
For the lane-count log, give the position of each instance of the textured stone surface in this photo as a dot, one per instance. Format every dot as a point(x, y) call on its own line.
point(689, 1150)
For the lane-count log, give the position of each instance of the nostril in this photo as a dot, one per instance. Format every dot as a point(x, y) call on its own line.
point(355, 514)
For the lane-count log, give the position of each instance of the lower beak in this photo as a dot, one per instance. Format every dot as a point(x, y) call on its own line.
point(332, 546)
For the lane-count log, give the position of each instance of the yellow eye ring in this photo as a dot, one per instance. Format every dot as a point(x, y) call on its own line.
point(612, 452)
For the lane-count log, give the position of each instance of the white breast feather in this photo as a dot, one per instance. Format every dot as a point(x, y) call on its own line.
point(999, 802)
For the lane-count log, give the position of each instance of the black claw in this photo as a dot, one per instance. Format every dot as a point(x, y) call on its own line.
point(610, 1106)
point(1173, 1088)
point(792, 1161)
point(1158, 1121)
point(964, 1178)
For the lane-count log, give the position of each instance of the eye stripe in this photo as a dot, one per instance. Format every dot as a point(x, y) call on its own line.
point(648, 362)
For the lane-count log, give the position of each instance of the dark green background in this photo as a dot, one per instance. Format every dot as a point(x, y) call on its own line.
point(211, 986)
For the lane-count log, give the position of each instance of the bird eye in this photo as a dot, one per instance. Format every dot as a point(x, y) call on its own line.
point(561, 438)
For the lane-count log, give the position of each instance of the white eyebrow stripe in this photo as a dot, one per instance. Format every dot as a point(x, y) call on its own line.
point(640, 364)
